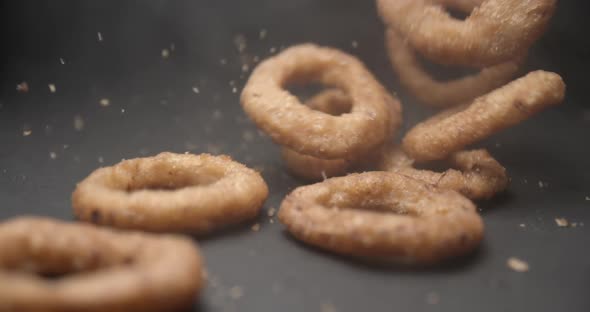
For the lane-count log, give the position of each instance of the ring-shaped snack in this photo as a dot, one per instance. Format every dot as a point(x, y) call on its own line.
point(171, 193)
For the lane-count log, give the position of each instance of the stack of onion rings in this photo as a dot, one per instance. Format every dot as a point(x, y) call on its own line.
point(102, 269)
point(171, 193)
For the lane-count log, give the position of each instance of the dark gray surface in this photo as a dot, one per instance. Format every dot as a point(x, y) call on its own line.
point(161, 113)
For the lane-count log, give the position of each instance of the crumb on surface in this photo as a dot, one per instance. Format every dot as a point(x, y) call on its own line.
point(99, 36)
point(561, 222)
point(196, 90)
point(62, 61)
point(104, 102)
point(354, 44)
point(517, 265)
point(78, 123)
point(272, 50)
point(100, 160)
point(52, 88)
point(52, 155)
point(22, 87)
point(236, 292)
point(256, 227)
point(522, 225)
point(165, 53)
point(27, 132)
point(588, 198)
point(271, 211)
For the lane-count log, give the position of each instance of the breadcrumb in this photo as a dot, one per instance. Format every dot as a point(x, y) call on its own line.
point(78, 123)
point(52, 155)
point(262, 34)
point(99, 36)
point(22, 87)
point(104, 102)
point(561, 222)
point(517, 265)
point(355, 44)
point(256, 227)
point(165, 53)
point(52, 88)
point(27, 132)
point(271, 211)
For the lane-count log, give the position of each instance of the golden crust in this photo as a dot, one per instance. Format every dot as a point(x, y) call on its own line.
point(106, 270)
point(383, 216)
point(373, 115)
point(495, 31)
point(453, 129)
point(444, 93)
point(171, 193)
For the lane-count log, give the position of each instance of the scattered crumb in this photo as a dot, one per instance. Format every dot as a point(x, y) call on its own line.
point(165, 53)
point(262, 34)
point(255, 59)
point(104, 102)
point(432, 298)
point(234, 90)
point(245, 68)
point(52, 88)
point(240, 42)
point(574, 224)
point(236, 292)
point(517, 265)
point(196, 90)
point(27, 132)
point(62, 61)
point(99, 36)
point(222, 61)
point(561, 222)
point(271, 211)
point(256, 227)
point(122, 111)
point(22, 87)
point(217, 114)
point(522, 225)
point(526, 181)
point(78, 123)
point(324, 175)
point(272, 221)
point(100, 160)
point(52, 155)
point(588, 198)
point(272, 50)
point(327, 307)
point(248, 136)
point(355, 44)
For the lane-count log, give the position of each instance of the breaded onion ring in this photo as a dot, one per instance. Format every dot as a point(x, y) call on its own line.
point(452, 130)
point(333, 102)
point(280, 114)
point(105, 270)
point(476, 174)
point(495, 32)
point(383, 216)
point(171, 193)
point(444, 93)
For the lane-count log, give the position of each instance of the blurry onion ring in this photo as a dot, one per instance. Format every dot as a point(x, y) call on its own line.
point(475, 174)
point(383, 216)
point(97, 269)
point(310, 132)
point(171, 193)
point(495, 32)
point(443, 93)
point(451, 130)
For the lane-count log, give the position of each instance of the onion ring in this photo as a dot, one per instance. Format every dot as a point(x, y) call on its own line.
point(494, 33)
point(105, 270)
point(453, 129)
point(477, 175)
point(356, 216)
point(171, 193)
point(448, 93)
point(333, 102)
point(281, 115)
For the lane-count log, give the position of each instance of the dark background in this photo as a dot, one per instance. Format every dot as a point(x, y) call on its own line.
point(153, 108)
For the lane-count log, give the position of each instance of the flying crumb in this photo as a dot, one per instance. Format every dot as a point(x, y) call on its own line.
point(100, 160)
point(355, 44)
point(574, 224)
point(271, 211)
point(51, 88)
point(52, 155)
point(248, 136)
point(522, 225)
point(540, 184)
point(272, 50)
point(255, 59)
point(262, 34)
point(272, 221)
point(324, 175)
point(236, 292)
point(104, 102)
point(256, 227)
point(561, 222)
point(78, 123)
point(165, 53)
point(196, 90)
point(99, 36)
point(588, 198)
point(122, 111)
point(517, 265)
point(22, 87)
point(245, 68)
point(327, 307)
point(27, 132)
point(62, 61)
point(234, 90)
point(432, 298)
